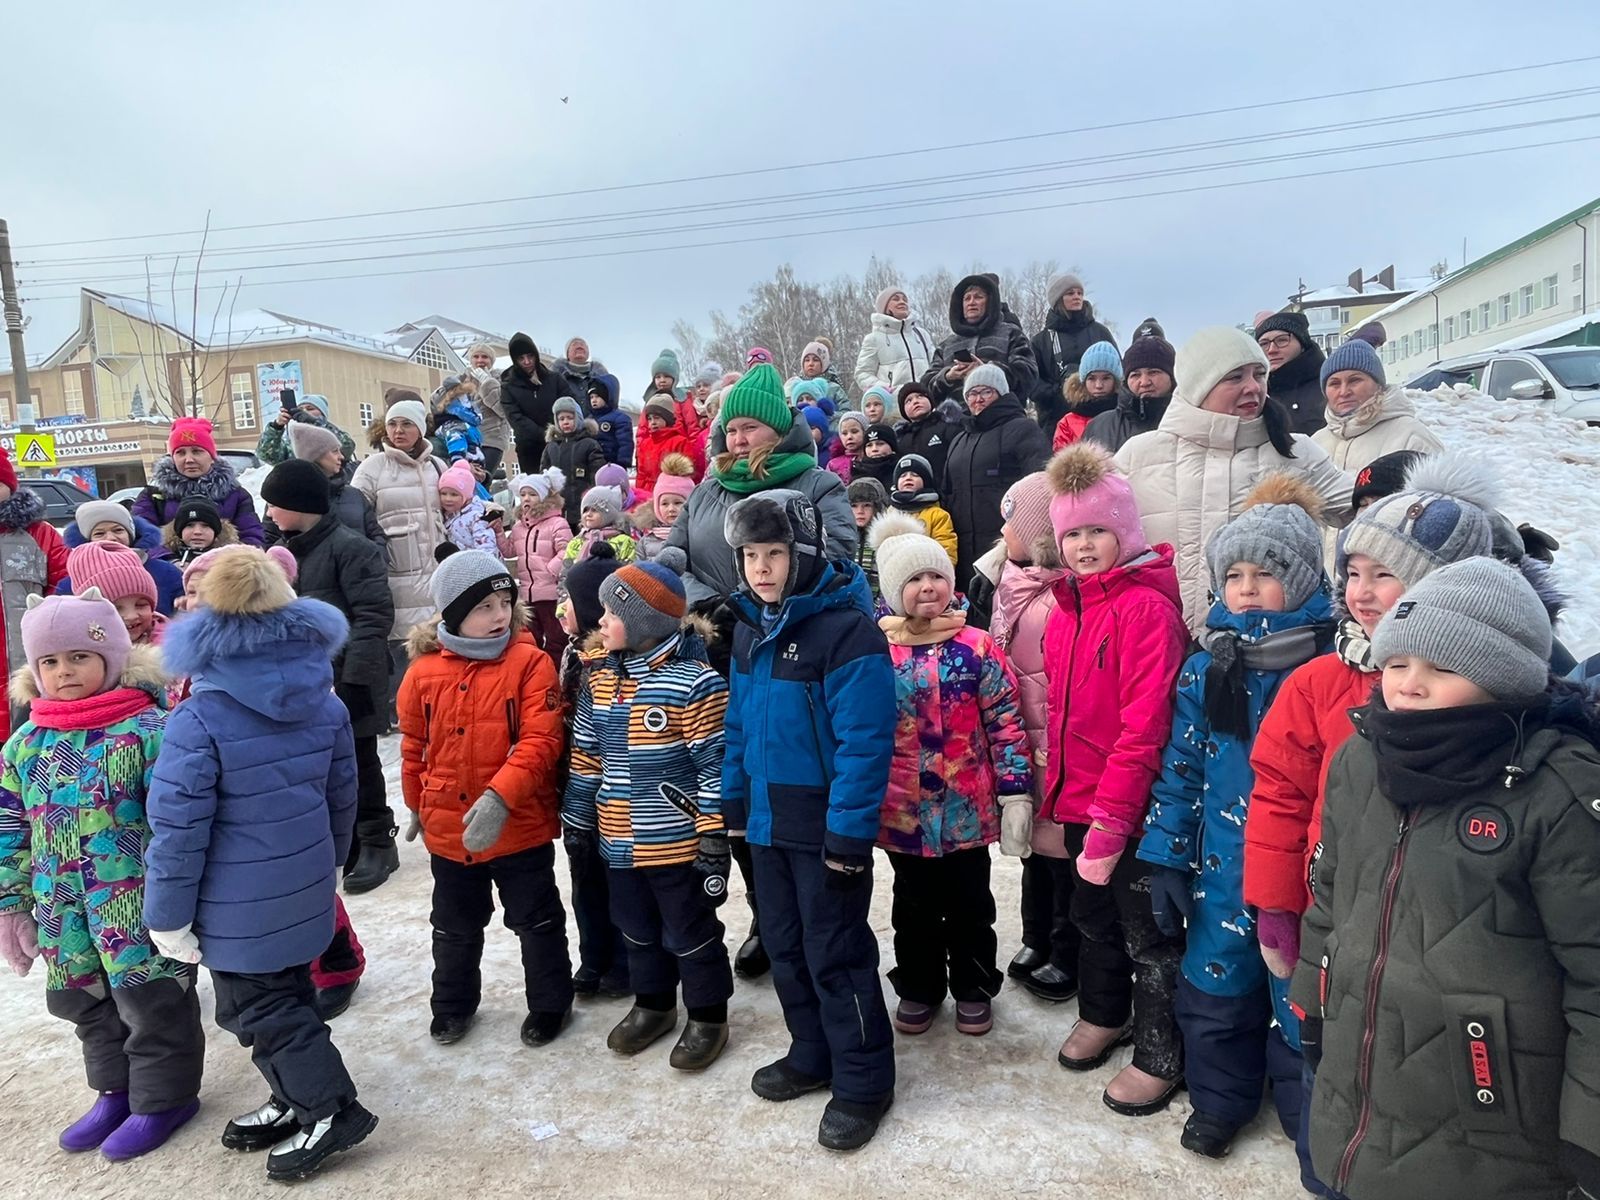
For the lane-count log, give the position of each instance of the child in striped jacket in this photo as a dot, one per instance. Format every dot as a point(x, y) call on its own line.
point(646, 785)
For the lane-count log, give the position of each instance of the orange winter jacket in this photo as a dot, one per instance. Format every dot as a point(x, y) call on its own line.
point(1308, 721)
point(467, 726)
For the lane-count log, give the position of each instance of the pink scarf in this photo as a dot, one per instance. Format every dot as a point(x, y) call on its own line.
point(92, 712)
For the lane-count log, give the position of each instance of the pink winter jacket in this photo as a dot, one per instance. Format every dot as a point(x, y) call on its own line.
point(538, 548)
point(1114, 644)
point(1023, 602)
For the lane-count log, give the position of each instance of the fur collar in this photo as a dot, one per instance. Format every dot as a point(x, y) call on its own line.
point(215, 485)
point(198, 639)
point(589, 428)
point(143, 671)
point(23, 509)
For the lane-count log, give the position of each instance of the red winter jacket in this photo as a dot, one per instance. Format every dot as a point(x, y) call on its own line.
point(1308, 721)
point(650, 446)
point(1069, 430)
point(1115, 643)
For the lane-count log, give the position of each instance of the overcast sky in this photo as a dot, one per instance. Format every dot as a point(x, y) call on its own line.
point(135, 122)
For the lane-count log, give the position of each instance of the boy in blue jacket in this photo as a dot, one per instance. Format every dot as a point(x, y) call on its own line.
point(1272, 613)
point(251, 809)
point(809, 739)
point(615, 426)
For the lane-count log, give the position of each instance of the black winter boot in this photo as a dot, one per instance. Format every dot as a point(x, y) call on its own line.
point(1207, 1135)
point(849, 1126)
point(779, 1081)
point(699, 1045)
point(447, 1031)
point(378, 860)
point(641, 1028)
point(303, 1154)
point(330, 1002)
point(542, 1028)
point(752, 962)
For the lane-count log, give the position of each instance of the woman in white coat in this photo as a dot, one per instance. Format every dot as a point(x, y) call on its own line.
point(897, 350)
point(402, 482)
point(1218, 437)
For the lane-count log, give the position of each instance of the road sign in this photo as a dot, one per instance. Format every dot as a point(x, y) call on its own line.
point(36, 450)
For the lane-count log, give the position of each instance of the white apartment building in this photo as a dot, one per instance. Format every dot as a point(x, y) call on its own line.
point(1543, 280)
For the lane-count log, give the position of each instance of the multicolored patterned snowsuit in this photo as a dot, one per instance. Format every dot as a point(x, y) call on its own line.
point(73, 836)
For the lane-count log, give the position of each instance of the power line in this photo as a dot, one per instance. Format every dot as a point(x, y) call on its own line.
point(213, 252)
point(884, 206)
point(836, 162)
point(968, 216)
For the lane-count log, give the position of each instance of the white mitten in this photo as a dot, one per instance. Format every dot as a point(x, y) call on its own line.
point(1016, 826)
point(180, 945)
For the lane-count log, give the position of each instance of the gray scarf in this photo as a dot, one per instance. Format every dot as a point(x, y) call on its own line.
point(482, 649)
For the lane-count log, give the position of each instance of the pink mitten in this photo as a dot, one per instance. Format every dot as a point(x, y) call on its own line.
point(1278, 931)
point(1101, 850)
point(19, 940)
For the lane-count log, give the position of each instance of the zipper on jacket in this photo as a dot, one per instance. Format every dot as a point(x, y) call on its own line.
point(1100, 654)
point(1369, 1010)
point(1066, 705)
point(825, 763)
point(427, 726)
point(511, 721)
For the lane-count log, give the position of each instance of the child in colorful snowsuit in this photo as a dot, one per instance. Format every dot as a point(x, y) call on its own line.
point(254, 899)
point(1449, 969)
point(810, 735)
point(604, 520)
point(573, 448)
point(1272, 614)
point(33, 561)
point(646, 787)
point(916, 491)
point(486, 804)
point(602, 952)
point(1023, 599)
point(959, 781)
point(670, 493)
point(537, 542)
point(1119, 636)
point(456, 419)
point(465, 523)
point(73, 831)
point(868, 502)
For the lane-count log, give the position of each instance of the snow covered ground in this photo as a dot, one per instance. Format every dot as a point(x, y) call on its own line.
point(1549, 471)
point(972, 1116)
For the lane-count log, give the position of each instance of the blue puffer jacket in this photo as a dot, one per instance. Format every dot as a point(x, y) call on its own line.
point(811, 716)
point(254, 794)
point(147, 540)
point(616, 427)
point(1198, 807)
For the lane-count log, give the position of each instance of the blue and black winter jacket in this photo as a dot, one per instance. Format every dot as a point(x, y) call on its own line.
point(615, 426)
point(811, 717)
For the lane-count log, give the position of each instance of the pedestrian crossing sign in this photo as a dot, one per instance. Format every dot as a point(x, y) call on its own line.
point(36, 449)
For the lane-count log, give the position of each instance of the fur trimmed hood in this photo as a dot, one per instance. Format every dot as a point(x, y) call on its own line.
point(229, 536)
point(215, 485)
point(269, 662)
point(143, 671)
point(588, 428)
point(25, 508)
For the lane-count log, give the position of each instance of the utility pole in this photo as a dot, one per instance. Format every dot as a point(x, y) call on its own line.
point(19, 357)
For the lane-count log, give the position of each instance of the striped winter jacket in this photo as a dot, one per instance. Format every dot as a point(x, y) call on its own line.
point(646, 762)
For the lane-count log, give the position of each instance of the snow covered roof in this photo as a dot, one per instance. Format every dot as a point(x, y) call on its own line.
point(458, 334)
point(250, 327)
point(1343, 291)
point(1548, 333)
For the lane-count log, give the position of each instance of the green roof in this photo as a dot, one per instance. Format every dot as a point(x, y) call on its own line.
point(1525, 240)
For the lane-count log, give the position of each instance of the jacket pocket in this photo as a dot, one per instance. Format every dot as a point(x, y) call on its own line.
point(1327, 997)
point(799, 814)
point(1480, 1063)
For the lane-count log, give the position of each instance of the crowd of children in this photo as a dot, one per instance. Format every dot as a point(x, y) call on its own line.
point(1337, 849)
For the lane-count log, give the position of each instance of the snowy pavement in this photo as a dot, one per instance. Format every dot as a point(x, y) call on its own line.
point(972, 1116)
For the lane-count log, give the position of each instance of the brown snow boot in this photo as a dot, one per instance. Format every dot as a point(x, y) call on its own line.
point(699, 1045)
point(640, 1029)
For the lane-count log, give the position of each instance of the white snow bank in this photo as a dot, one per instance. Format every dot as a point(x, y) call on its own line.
point(1549, 472)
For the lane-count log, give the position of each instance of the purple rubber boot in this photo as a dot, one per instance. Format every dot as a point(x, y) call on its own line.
point(88, 1131)
point(144, 1132)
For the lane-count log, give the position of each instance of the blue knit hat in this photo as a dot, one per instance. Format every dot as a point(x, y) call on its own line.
point(810, 391)
point(1102, 356)
point(1354, 355)
point(816, 418)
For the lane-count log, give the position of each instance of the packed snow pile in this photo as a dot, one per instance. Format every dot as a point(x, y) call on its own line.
point(1549, 472)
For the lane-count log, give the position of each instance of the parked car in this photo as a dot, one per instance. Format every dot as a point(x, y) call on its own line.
point(125, 496)
point(1568, 377)
point(61, 499)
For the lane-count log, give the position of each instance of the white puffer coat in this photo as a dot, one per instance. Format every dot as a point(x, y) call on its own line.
point(1383, 425)
point(895, 352)
point(1191, 475)
point(405, 497)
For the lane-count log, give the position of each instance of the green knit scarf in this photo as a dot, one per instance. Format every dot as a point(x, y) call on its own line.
point(780, 469)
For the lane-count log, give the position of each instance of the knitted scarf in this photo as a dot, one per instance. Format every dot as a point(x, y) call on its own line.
point(1227, 697)
point(1437, 756)
point(779, 469)
point(482, 649)
point(1354, 648)
point(92, 712)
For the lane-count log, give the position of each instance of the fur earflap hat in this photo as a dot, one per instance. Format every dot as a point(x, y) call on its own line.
point(1278, 531)
point(773, 516)
point(904, 550)
point(1089, 491)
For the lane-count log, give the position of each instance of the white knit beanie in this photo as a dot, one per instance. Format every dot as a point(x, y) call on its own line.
point(1208, 356)
point(905, 550)
point(986, 375)
point(880, 302)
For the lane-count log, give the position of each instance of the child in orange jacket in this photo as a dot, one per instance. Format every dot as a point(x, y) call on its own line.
point(480, 720)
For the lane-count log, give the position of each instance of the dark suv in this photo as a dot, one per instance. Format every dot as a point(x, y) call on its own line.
point(61, 499)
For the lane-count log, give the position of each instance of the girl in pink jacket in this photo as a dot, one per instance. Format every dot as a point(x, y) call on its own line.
point(1115, 643)
point(537, 540)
